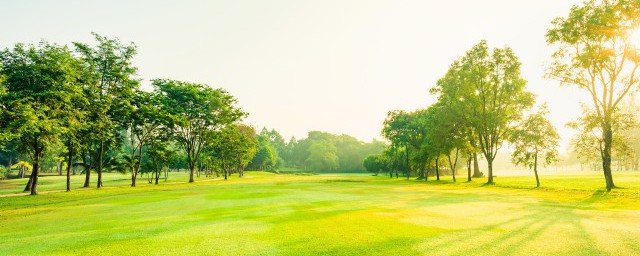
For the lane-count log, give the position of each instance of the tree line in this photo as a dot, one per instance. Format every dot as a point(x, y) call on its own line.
point(86, 100)
point(82, 108)
point(318, 152)
point(483, 101)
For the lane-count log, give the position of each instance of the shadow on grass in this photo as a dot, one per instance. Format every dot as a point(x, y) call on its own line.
point(516, 233)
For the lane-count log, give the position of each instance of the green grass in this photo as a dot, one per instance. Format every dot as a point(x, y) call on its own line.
point(346, 214)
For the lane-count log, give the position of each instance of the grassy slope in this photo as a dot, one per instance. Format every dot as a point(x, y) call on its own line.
point(266, 214)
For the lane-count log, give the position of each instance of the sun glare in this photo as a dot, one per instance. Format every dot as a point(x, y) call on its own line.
point(634, 38)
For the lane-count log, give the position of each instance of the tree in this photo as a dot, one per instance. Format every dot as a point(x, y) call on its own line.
point(402, 129)
point(196, 111)
point(265, 157)
point(160, 153)
point(322, 157)
point(376, 163)
point(491, 92)
point(595, 53)
point(41, 82)
point(146, 124)
point(233, 148)
point(109, 87)
point(535, 137)
point(589, 142)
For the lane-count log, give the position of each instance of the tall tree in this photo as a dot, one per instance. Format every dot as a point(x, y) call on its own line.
point(41, 82)
point(196, 111)
point(492, 93)
point(596, 54)
point(109, 87)
point(402, 129)
point(535, 138)
point(147, 123)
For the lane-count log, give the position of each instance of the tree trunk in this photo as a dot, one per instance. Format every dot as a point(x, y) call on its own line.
point(191, 167)
point(453, 165)
point(134, 177)
point(166, 174)
point(426, 175)
point(469, 169)
point(87, 177)
point(476, 166)
point(36, 170)
point(535, 169)
point(87, 170)
point(395, 161)
point(28, 187)
point(606, 155)
point(490, 170)
point(437, 170)
point(69, 165)
point(100, 160)
point(407, 161)
point(157, 174)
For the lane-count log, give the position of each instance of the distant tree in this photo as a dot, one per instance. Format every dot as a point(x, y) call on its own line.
point(595, 52)
point(265, 157)
point(322, 157)
point(376, 164)
point(196, 111)
point(490, 91)
point(535, 137)
point(234, 148)
point(23, 167)
point(402, 129)
point(160, 153)
point(41, 82)
point(289, 154)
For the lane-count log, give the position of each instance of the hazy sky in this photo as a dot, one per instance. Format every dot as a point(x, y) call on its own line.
point(295, 66)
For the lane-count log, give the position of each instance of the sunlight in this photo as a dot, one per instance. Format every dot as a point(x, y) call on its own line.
point(633, 38)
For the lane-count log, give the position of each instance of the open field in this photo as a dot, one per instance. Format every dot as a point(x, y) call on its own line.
point(268, 214)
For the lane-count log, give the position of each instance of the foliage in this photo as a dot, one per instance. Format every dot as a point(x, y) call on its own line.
point(535, 137)
point(595, 52)
point(196, 113)
point(41, 82)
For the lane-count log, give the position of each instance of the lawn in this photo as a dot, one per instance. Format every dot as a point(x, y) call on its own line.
point(269, 214)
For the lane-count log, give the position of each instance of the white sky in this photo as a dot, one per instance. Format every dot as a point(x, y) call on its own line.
point(331, 65)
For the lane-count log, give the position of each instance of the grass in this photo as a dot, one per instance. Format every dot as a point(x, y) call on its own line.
point(346, 214)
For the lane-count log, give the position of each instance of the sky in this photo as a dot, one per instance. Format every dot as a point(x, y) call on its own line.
point(333, 65)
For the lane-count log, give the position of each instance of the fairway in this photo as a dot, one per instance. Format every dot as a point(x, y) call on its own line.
point(269, 214)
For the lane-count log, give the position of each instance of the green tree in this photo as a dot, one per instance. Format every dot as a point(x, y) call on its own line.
point(196, 111)
point(596, 54)
point(266, 156)
point(234, 148)
point(41, 82)
point(322, 157)
point(376, 163)
point(109, 88)
point(403, 130)
point(147, 124)
point(491, 92)
point(535, 137)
